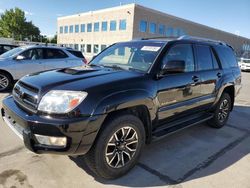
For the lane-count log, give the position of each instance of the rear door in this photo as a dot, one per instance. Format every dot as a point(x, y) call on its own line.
point(55, 58)
point(210, 73)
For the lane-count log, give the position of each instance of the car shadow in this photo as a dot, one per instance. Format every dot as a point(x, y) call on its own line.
point(194, 153)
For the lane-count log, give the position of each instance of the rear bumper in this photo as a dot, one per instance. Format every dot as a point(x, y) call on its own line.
point(80, 132)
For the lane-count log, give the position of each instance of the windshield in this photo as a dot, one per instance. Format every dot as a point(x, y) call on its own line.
point(11, 53)
point(129, 56)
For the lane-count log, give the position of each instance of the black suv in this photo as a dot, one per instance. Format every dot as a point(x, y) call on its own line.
point(130, 94)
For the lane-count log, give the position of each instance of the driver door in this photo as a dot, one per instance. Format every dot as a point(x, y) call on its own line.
point(31, 62)
point(177, 92)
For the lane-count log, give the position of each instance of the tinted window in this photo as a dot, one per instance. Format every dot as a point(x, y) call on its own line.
point(226, 56)
point(112, 25)
point(104, 26)
point(55, 54)
point(181, 52)
point(215, 62)
point(76, 53)
point(123, 25)
point(143, 26)
point(32, 54)
point(204, 57)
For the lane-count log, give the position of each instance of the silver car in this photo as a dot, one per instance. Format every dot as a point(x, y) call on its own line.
point(21, 61)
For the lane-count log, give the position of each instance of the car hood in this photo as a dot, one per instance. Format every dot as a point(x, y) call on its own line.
point(78, 78)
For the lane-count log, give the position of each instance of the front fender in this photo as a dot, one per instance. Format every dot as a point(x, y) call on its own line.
point(126, 99)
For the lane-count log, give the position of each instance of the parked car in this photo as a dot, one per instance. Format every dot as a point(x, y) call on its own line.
point(6, 47)
point(18, 62)
point(110, 108)
point(244, 64)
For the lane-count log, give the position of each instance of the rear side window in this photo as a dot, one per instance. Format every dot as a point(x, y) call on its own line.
point(226, 56)
point(76, 53)
point(54, 54)
point(204, 57)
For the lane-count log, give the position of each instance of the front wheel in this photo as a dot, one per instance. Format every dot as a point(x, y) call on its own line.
point(222, 111)
point(117, 148)
point(5, 81)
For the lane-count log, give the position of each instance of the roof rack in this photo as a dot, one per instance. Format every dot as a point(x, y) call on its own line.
point(187, 37)
point(160, 37)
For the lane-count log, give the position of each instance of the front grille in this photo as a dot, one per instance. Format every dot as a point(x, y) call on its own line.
point(26, 96)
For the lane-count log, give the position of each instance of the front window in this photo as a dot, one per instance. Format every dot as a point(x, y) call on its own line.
point(12, 52)
point(137, 56)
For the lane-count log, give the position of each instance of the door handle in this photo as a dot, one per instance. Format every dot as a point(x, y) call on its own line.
point(195, 78)
point(219, 75)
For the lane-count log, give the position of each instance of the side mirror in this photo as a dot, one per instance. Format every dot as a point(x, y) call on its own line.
point(19, 57)
point(175, 66)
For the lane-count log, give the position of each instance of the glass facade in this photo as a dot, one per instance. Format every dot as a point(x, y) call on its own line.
point(112, 25)
point(82, 28)
point(104, 26)
point(122, 25)
point(89, 27)
point(143, 26)
point(152, 28)
point(96, 27)
point(76, 28)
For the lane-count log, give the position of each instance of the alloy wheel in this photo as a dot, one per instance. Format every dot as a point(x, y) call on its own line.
point(223, 111)
point(121, 147)
point(4, 82)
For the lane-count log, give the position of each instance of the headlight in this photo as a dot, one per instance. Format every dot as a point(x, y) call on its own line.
point(61, 101)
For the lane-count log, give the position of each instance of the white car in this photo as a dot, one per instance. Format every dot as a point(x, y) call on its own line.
point(21, 61)
point(245, 64)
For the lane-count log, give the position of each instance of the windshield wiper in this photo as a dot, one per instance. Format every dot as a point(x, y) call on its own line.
point(114, 67)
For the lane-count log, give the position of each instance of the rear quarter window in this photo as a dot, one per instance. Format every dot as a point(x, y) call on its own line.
point(54, 54)
point(76, 53)
point(227, 56)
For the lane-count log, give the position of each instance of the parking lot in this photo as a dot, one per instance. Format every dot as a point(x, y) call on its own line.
point(196, 157)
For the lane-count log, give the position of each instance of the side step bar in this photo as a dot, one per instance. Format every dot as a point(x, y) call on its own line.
point(182, 124)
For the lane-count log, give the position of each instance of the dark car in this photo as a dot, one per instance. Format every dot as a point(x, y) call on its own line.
point(6, 47)
point(130, 94)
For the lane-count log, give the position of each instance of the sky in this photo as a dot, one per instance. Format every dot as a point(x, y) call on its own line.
point(229, 15)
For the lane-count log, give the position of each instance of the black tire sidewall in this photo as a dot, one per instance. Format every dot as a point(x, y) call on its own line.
point(110, 128)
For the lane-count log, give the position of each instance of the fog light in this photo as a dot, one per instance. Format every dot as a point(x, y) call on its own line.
point(51, 140)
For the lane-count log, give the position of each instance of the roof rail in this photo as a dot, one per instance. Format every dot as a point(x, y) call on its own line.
point(187, 37)
point(159, 37)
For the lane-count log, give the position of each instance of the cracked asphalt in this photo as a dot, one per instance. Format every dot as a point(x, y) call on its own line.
point(195, 157)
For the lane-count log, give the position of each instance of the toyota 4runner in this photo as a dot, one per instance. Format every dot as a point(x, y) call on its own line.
point(129, 95)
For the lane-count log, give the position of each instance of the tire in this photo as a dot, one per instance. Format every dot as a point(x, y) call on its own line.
point(221, 112)
point(6, 81)
point(103, 159)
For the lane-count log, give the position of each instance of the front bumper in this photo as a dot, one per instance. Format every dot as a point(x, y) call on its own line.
point(80, 132)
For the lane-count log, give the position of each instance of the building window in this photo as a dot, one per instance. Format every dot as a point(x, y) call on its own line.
point(122, 25)
point(71, 29)
point(96, 27)
point(82, 48)
point(112, 25)
point(66, 29)
point(169, 32)
point(76, 28)
point(88, 48)
point(76, 46)
point(96, 48)
point(89, 27)
point(161, 29)
point(143, 26)
point(82, 28)
point(103, 46)
point(176, 32)
point(152, 28)
point(61, 29)
point(104, 26)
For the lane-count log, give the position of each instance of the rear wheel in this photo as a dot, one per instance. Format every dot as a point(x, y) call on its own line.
point(221, 112)
point(5, 81)
point(118, 147)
